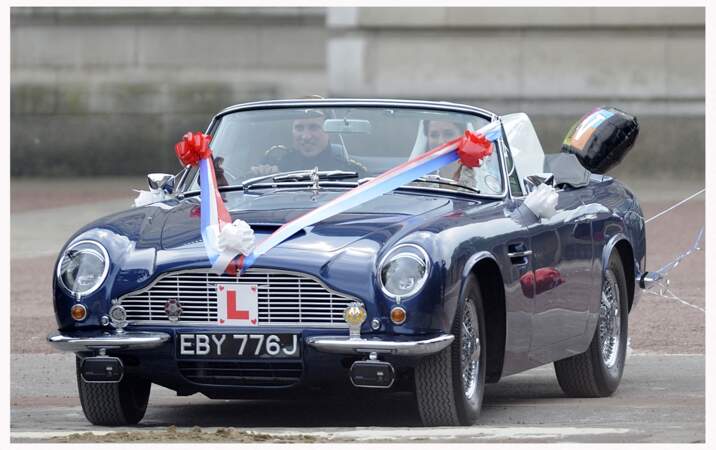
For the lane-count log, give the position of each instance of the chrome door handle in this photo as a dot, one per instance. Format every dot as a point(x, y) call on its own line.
point(521, 254)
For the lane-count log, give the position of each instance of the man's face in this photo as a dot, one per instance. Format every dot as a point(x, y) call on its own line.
point(309, 137)
point(440, 132)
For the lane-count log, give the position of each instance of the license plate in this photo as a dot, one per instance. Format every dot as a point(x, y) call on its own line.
point(238, 345)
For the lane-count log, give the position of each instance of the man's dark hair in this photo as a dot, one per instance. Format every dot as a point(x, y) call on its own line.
point(312, 114)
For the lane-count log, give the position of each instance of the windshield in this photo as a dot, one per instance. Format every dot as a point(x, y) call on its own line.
point(366, 141)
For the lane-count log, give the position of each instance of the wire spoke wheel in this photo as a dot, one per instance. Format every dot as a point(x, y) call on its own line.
point(597, 371)
point(450, 384)
point(470, 350)
point(609, 320)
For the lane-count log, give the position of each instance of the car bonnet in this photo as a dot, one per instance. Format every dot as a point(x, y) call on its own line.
point(266, 210)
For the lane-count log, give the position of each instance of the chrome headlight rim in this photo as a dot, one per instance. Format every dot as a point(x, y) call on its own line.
point(399, 252)
point(105, 256)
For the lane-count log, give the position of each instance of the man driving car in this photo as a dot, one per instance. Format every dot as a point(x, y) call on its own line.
point(311, 148)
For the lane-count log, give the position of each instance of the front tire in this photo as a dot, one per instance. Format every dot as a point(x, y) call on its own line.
point(598, 371)
point(449, 385)
point(113, 404)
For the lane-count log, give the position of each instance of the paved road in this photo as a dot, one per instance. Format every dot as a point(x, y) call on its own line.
point(661, 398)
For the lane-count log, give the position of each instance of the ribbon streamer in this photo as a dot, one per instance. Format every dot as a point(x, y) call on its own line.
point(668, 267)
point(675, 206)
point(661, 288)
point(673, 296)
point(222, 238)
point(662, 281)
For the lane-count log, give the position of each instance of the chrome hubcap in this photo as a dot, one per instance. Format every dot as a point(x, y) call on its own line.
point(470, 351)
point(609, 320)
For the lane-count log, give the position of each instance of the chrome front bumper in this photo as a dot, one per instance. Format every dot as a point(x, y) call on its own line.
point(346, 345)
point(133, 340)
point(128, 340)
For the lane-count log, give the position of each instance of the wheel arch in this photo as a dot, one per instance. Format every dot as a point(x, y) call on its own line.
point(485, 268)
point(621, 244)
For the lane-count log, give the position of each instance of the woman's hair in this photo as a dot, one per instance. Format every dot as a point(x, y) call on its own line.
point(458, 125)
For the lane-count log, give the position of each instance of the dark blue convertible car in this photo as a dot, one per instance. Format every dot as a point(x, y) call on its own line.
point(453, 280)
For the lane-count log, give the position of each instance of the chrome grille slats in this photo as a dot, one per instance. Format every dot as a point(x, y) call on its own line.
point(284, 299)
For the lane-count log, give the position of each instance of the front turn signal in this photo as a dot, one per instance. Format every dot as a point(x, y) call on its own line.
point(78, 312)
point(398, 315)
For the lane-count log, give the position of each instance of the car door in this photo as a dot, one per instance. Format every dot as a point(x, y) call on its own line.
point(562, 257)
point(558, 251)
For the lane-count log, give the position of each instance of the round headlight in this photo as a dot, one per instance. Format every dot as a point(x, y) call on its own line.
point(83, 267)
point(403, 271)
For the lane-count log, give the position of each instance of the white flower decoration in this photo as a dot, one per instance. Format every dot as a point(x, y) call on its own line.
point(542, 201)
point(237, 236)
point(149, 197)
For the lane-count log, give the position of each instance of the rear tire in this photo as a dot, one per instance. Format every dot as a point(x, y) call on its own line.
point(449, 385)
point(113, 404)
point(598, 371)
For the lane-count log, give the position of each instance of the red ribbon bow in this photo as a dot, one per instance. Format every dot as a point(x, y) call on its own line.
point(192, 148)
point(473, 148)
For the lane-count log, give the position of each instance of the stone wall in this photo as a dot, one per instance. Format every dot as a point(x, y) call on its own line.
point(555, 64)
point(109, 90)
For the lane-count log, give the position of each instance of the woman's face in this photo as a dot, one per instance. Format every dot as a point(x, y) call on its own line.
point(440, 132)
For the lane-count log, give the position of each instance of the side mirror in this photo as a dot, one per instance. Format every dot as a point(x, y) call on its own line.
point(161, 181)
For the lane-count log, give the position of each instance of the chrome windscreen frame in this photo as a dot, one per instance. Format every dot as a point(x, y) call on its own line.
point(439, 106)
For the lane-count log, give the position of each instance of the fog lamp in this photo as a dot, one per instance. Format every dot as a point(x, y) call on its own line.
point(398, 315)
point(78, 312)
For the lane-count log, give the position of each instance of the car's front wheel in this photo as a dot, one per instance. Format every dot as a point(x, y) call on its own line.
point(598, 371)
point(113, 404)
point(449, 385)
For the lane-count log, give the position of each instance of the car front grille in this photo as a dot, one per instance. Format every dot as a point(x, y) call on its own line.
point(284, 299)
point(240, 373)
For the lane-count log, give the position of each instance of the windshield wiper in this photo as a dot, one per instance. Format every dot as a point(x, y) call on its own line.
point(437, 179)
point(322, 174)
point(297, 175)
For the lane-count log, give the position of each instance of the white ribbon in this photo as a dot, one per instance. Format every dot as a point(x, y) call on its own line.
point(542, 201)
point(148, 197)
point(237, 236)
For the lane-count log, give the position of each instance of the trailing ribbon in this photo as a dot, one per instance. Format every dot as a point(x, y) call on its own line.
point(471, 149)
point(661, 287)
point(223, 239)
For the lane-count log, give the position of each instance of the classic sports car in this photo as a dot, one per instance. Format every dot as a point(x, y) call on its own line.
point(458, 276)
